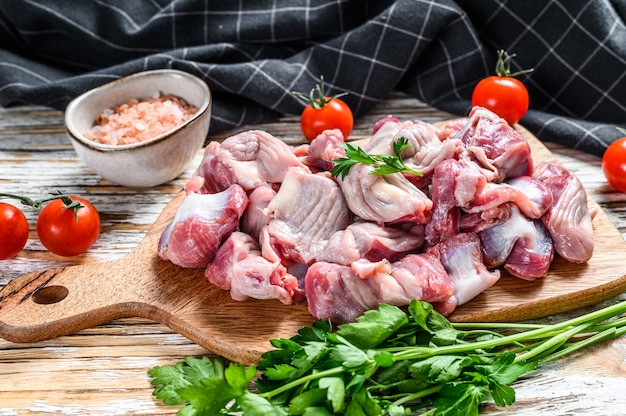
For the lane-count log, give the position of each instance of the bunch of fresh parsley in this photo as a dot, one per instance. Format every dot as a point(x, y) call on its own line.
point(388, 362)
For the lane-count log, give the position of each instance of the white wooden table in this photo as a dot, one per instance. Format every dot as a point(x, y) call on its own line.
point(103, 370)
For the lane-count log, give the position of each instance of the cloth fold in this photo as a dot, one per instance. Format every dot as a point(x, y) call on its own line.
point(253, 54)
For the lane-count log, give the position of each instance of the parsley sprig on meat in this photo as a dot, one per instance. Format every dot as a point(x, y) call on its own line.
point(384, 164)
point(388, 362)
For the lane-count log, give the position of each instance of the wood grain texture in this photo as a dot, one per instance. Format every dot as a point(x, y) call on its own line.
point(102, 370)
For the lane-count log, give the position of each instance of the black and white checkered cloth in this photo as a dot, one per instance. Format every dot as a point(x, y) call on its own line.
point(254, 53)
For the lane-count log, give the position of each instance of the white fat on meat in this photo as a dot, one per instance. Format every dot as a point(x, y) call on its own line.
point(240, 268)
point(371, 241)
point(200, 224)
point(569, 219)
point(462, 259)
point(306, 211)
point(521, 245)
point(249, 159)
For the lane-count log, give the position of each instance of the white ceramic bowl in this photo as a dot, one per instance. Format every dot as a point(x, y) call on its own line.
point(151, 162)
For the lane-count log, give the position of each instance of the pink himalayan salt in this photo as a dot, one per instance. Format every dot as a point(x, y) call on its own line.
point(140, 120)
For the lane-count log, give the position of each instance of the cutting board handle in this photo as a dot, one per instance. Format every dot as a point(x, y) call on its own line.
point(60, 301)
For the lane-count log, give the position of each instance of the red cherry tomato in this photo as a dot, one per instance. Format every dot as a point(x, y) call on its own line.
point(13, 230)
point(614, 164)
point(505, 96)
point(65, 233)
point(334, 114)
point(324, 113)
point(502, 93)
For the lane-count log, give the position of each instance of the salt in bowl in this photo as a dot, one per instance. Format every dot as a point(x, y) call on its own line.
point(150, 162)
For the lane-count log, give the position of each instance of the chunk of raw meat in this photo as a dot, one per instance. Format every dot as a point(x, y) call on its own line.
point(325, 148)
point(568, 220)
point(255, 217)
point(370, 241)
point(239, 267)
point(341, 293)
point(201, 222)
point(528, 194)
point(444, 221)
point(335, 292)
point(425, 150)
point(462, 259)
point(306, 211)
point(496, 146)
point(450, 128)
point(384, 198)
point(249, 159)
point(424, 277)
point(481, 221)
point(522, 245)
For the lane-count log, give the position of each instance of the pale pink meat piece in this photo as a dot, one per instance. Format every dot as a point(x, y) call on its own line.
point(341, 293)
point(324, 149)
point(200, 224)
point(384, 198)
point(528, 194)
point(481, 221)
point(249, 159)
point(446, 213)
point(569, 219)
point(371, 241)
point(462, 259)
point(255, 217)
point(496, 146)
point(425, 150)
point(306, 211)
point(240, 268)
point(521, 245)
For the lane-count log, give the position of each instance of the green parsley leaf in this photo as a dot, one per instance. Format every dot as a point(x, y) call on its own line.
point(374, 326)
point(440, 369)
point(336, 392)
point(383, 164)
point(310, 398)
point(349, 356)
point(460, 399)
point(254, 405)
point(200, 383)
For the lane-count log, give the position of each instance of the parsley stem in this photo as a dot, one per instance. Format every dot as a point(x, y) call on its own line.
point(303, 380)
point(553, 343)
point(607, 334)
point(547, 331)
point(419, 394)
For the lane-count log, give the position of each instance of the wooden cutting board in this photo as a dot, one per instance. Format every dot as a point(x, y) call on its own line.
point(57, 302)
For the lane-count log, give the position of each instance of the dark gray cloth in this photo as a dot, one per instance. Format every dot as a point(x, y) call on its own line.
point(254, 53)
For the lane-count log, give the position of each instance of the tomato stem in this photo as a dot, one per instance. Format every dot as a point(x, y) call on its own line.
point(39, 203)
point(317, 97)
point(503, 65)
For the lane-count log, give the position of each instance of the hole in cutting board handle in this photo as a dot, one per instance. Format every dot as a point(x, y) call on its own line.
point(50, 294)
